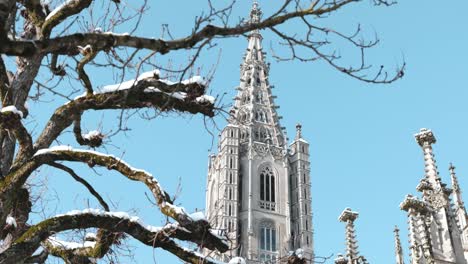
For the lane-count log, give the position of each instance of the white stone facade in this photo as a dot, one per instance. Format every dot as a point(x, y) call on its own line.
point(258, 187)
point(437, 222)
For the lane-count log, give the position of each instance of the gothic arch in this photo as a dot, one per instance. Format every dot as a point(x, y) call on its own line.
point(244, 116)
point(262, 134)
point(268, 187)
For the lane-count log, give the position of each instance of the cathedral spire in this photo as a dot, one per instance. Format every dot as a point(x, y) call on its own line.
point(398, 248)
point(456, 191)
point(254, 108)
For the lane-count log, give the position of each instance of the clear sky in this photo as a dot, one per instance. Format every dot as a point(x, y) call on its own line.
point(363, 154)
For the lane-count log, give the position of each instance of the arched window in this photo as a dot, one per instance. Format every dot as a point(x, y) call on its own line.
point(267, 239)
point(267, 189)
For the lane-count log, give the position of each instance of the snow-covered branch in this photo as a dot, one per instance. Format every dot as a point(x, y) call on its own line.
point(63, 11)
point(145, 92)
point(158, 237)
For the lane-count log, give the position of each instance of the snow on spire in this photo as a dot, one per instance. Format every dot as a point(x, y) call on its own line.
point(398, 248)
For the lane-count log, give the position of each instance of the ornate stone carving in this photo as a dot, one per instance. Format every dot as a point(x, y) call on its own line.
point(436, 200)
point(260, 149)
point(277, 153)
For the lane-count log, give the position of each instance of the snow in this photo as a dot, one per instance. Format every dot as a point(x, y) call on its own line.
point(152, 89)
point(149, 74)
point(10, 220)
point(117, 34)
point(52, 149)
point(13, 109)
point(58, 9)
point(128, 84)
point(237, 260)
point(299, 252)
point(197, 216)
point(195, 79)
point(178, 95)
point(205, 99)
point(69, 245)
point(121, 215)
point(85, 49)
point(91, 134)
point(90, 236)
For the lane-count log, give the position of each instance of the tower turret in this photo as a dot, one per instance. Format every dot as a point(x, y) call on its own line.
point(258, 215)
point(300, 185)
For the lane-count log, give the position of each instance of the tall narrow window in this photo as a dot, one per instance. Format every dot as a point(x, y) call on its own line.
point(267, 189)
point(262, 187)
point(268, 249)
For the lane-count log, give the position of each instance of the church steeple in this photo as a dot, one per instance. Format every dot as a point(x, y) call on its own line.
point(254, 105)
point(259, 188)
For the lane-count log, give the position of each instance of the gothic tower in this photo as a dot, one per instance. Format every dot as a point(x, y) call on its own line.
point(258, 187)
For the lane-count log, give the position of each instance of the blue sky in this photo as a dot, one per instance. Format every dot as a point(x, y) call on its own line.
point(363, 154)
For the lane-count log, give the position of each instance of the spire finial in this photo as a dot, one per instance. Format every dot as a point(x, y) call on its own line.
point(255, 13)
point(298, 131)
point(425, 139)
point(456, 191)
point(398, 248)
point(348, 217)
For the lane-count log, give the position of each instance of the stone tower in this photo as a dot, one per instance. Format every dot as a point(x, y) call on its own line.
point(258, 187)
point(434, 230)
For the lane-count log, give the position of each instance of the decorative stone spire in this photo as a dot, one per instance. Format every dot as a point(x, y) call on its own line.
point(348, 217)
point(298, 131)
point(456, 191)
point(254, 108)
point(255, 13)
point(425, 139)
point(398, 248)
